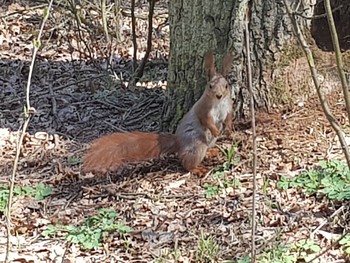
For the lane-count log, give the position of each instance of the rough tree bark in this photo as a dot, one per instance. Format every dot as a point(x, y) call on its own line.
point(196, 26)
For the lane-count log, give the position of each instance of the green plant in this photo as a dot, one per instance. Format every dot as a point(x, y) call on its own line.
point(4, 193)
point(265, 186)
point(90, 234)
point(221, 183)
point(101, 94)
point(345, 242)
point(74, 160)
point(39, 192)
point(245, 259)
point(332, 179)
point(220, 177)
point(160, 259)
point(42, 191)
point(211, 190)
point(306, 249)
point(51, 230)
point(168, 255)
point(229, 154)
point(310, 180)
point(300, 251)
point(278, 254)
point(207, 249)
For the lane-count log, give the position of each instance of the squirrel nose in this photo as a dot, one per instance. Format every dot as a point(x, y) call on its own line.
point(219, 96)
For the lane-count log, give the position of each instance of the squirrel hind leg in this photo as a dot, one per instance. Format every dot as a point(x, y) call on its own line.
point(191, 158)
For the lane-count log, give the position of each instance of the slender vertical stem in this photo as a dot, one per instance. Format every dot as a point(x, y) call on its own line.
point(252, 112)
point(133, 28)
point(338, 55)
point(104, 19)
point(140, 70)
point(28, 112)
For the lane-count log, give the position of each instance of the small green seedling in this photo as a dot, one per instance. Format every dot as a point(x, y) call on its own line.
point(245, 259)
point(207, 250)
point(74, 160)
point(306, 249)
point(345, 243)
point(332, 179)
point(211, 190)
point(168, 255)
point(219, 176)
point(93, 230)
point(39, 192)
point(301, 251)
point(278, 254)
point(229, 154)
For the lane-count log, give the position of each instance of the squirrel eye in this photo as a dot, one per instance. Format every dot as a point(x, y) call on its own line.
point(210, 86)
point(226, 86)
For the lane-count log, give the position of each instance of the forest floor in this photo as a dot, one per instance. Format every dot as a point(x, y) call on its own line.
point(151, 211)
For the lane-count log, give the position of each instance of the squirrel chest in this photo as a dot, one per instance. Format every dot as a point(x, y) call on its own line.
point(220, 111)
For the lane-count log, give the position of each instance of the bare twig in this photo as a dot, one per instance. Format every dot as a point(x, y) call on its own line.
point(36, 46)
point(74, 10)
point(133, 28)
point(106, 32)
point(252, 112)
point(139, 71)
point(117, 20)
point(333, 244)
point(104, 19)
point(338, 56)
point(27, 114)
point(339, 210)
point(316, 16)
point(323, 100)
point(12, 184)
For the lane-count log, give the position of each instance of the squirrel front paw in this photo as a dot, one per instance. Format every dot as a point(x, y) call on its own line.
point(215, 132)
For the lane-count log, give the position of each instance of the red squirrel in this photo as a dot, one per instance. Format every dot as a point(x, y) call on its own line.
point(197, 131)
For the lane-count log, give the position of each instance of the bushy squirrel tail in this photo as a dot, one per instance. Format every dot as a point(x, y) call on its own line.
point(113, 150)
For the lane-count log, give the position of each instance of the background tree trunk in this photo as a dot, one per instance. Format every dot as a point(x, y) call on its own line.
point(320, 28)
point(196, 26)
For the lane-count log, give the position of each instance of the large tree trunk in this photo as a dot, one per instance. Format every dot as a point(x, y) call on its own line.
point(199, 25)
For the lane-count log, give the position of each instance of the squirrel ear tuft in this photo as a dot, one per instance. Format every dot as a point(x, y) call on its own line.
point(209, 65)
point(226, 64)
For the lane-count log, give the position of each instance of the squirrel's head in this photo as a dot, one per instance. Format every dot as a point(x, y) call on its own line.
point(217, 86)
